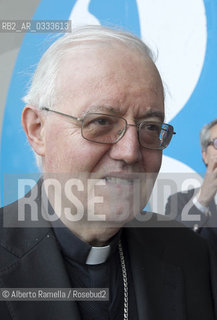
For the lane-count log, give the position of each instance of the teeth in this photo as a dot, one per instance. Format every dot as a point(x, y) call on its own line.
point(118, 180)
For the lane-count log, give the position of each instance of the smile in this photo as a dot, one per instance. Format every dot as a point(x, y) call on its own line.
point(117, 180)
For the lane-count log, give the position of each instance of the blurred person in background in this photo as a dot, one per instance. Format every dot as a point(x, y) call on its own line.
point(200, 204)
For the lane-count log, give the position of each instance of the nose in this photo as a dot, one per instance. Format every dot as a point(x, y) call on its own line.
point(128, 148)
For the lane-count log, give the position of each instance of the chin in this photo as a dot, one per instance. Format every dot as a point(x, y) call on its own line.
point(115, 213)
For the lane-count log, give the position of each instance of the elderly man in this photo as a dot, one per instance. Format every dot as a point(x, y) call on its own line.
point(200, 204)
point(94, 117)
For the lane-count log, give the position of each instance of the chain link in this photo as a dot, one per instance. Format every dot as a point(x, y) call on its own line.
point(124, 274)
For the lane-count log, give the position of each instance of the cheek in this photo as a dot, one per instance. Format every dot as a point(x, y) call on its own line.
point(210, 156)
point(86, 155)
point(71, 153)
point(151, 160)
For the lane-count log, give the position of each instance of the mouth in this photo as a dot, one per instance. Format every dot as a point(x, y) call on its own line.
point(115, 180)
point(121, 179)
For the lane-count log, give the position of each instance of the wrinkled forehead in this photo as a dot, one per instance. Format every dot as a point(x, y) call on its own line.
point(113, 68)
point(104, 54)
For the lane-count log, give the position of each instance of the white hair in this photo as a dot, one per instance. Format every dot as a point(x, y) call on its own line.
point(42, 89)
point(41, 92)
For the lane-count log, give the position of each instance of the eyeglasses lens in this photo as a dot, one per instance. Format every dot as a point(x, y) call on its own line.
point(149, 135)
point(108, 129)
point(103, 128)
point(215, 143)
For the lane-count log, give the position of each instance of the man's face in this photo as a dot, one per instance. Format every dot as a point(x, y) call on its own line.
point(111, 80)
point(211, 153)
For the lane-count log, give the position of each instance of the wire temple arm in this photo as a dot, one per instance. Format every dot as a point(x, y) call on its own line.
point(62, 114)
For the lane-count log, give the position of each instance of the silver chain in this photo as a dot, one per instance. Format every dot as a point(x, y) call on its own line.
point(124, 274)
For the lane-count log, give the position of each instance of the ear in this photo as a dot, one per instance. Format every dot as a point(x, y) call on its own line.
point(33, 125)
point(204, 156)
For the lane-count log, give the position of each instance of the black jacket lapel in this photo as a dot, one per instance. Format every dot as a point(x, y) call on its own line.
point(41, 267)
point(33, 260)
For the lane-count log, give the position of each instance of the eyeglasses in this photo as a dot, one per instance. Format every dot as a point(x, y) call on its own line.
point(109, 129)
point(213, 143)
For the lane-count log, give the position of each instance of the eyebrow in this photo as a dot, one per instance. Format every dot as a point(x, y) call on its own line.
point(110, 109)
point(154, 114)
point(117, 111)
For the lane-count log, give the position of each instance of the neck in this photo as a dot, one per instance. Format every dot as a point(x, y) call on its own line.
point(96, 235)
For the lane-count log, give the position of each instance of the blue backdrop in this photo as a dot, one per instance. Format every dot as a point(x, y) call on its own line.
point(200, 108)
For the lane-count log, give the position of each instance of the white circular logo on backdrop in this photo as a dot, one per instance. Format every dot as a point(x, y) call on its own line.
point(173, 28)
point(177, 30)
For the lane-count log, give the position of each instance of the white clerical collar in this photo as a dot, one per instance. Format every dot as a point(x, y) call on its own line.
point(98, 255)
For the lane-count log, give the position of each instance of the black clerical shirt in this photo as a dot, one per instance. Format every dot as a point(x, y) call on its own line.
point(87, 269)
point(107, 274)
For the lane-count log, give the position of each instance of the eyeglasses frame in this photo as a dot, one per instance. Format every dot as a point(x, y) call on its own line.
point(138, 126)
point(212, 143)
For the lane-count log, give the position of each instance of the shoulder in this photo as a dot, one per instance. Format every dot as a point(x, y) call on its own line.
point(7, 213)
point(177, 201)
point(172, 239)
point(187, 194)
point(18, 237)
